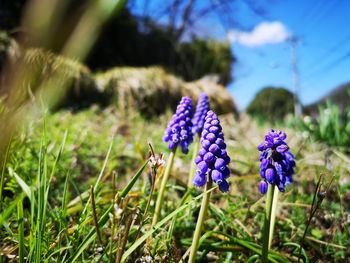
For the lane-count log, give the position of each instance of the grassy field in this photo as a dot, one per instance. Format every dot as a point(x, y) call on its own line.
point(63, 170)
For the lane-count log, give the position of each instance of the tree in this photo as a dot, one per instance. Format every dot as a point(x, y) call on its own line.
point(124, 42)
point(148, 33)
point(205, 57)
point(181, 17)
point(272, 104)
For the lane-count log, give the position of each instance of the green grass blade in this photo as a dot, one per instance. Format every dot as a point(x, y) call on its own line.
point(65, 196)
point(127, 188)
point(297, 248)
point(58, 157)
point(3, 172)
point(25, 187)
point(60, 250)
point(20, 231)
point(103, 166)
point(105, 217)
point(253, 258)
point(8, 211)
point(173, 221)
point(273, 256)
point(161, 223)
point(41, 202)
point(99, 177)
point(161, 191)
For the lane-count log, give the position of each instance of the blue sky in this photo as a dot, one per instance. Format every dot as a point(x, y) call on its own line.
point(323, 50)
point(323, 55)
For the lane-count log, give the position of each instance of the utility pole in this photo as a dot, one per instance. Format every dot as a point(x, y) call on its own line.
point(295, 75)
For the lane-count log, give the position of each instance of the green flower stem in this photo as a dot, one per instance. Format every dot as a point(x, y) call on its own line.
point(165, 178)
point(270, 213)
point(273, 214)
point(193, 165)
point(200, 221)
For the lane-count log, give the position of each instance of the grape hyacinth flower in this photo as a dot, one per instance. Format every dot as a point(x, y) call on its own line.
point(178, 133)
point(211, 166)
point(179, 130)
point(198, 122)
point(212, 158)
point(276, 161)
point(276, 170)
point(201, 111)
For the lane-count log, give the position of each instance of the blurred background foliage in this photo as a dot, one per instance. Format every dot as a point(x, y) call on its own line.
point(138, 62)
point(331, 125)
point(187, 64)
point(126, 40)
point(339, 97)
point(328, 119)
point(271, 104)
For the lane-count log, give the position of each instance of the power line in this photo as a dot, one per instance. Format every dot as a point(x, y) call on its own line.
point(308, 12)
point(320, 15)
point(330, 65)
point(330, 9)
point(326, 54)
point(333, 48)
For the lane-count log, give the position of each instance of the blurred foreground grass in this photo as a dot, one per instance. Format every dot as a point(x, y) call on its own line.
point(233, 228)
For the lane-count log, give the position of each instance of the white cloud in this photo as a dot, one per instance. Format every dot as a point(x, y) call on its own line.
point(262, 34)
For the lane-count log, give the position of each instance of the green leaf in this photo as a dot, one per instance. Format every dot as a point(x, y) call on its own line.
point(26, 189)
point(7, 212)
point(127, 188)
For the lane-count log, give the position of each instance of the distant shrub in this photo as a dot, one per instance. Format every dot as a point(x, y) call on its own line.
point(271, 104)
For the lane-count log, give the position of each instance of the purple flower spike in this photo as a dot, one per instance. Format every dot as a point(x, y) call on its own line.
point(276, 161)
point(216, 176)
point(201, 111)
point(224, 186)
point(282, 148)
point(199, 180)
point(213, 156)
point(270, 175)
point(179, 130)
point(198, 159)
point(263, 187)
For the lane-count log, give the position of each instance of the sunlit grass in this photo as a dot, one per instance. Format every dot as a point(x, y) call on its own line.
point(71, 152)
